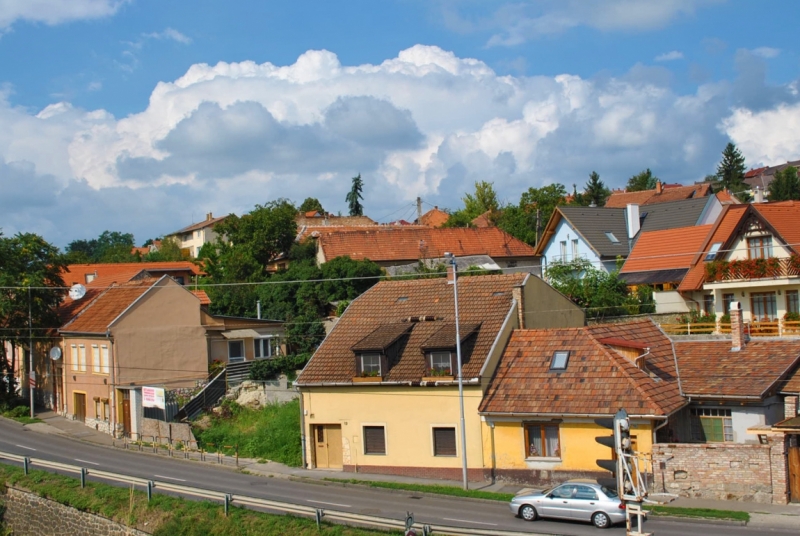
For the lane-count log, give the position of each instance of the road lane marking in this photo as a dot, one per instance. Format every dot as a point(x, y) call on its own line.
point(169, 478)
point(86, 461)
point(468, 521)
point(24, 447)
point(330, 503)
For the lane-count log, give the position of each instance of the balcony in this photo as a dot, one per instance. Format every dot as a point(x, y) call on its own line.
point(775, 328)
point(749, 269)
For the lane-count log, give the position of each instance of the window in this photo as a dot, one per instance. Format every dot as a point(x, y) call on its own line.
point(712, 425)
point(575, 248)
point(542, 440)
point(560, 360)
point(96, 359)
point(712, 251)
point(180, 280)
point(74, 357)
point(235, 351)
point(441, 362)
point(727, 300)
point(792, 302)
point(82, 357)
point(611, 237)
point(371, 364)
point(585, 493)
point(760, 247)
point(267, 347)
point(98, 408)
point(374, 440)
point(563, 250)
point(764, 306)
point(708, 304)
point(444, 441)
point(104, 359)
point(106, 409)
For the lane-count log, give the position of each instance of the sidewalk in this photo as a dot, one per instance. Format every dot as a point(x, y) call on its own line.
point(766, 515)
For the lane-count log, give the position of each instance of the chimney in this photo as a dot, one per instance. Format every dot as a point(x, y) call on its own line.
point(758, 195)
point(516, 292)
point(737, 327)
point(632, 219)
point(659, 187)
point(209, 217)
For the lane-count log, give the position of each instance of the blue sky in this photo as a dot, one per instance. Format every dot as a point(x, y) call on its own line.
point(141, 116)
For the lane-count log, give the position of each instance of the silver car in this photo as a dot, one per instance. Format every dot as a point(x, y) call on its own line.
point(581, 500)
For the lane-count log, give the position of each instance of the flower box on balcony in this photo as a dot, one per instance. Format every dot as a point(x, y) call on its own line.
point(367, 379)
point(438, 378)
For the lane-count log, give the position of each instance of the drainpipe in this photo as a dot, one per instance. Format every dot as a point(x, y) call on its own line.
point(302, 428)
point(494, 464)
point(112, 387)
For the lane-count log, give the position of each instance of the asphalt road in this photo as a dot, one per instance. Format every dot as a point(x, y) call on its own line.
point(481, 515)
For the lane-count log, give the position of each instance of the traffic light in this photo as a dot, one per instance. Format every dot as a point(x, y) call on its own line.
point(613, 441)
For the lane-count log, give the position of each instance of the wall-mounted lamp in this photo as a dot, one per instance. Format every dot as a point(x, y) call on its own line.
point(742, 294)
point(779, 292)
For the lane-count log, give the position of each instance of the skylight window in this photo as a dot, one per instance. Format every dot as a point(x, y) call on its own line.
point(560, 360)
point(402, 299)
point(712, 252)
point(611, 237)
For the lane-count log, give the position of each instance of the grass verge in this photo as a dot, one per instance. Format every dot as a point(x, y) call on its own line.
point(429, 488)
point(165, 515)
point(271, 432)
point(20, 414)
point(705, 513)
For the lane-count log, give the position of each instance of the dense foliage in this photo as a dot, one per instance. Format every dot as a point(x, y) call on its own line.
point(644, 180)
point(270, 369)
point(108, 247)
point(785, 186)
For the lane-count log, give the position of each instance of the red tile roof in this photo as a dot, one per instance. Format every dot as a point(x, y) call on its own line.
point(754, 172)
point(597, 380)
point(434, 218)
point(484, 300)
point(712, 369)
point(202, 296)
point(413, 243)
point(97, 316)
point(792, 384)
point(108, 273)
point(784, 217)
point(668, 249)
point(208, 222)
point(650, 197)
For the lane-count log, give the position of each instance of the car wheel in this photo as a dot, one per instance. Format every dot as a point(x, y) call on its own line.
point(528, 513)
point(601, 520)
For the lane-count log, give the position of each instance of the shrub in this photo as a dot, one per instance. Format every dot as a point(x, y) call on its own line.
point(269, 369)
point(792, 317)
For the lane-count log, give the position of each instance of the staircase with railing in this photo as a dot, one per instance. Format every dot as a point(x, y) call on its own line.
point(238, 372)
point(207, 398)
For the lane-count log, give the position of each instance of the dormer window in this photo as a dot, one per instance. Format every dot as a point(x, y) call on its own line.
point(560, 360)
point(371, 364)
point(712, 251)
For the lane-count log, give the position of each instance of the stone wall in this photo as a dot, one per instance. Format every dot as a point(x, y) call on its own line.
point(256, 394)
point(27, 514)
point(166, 431)
point(723, 471)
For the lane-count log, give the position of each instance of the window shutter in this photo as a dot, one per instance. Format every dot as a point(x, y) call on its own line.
point(444, 441)
point(374, 440)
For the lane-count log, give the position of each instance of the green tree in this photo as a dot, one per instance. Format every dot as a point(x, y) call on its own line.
point(785, 186)
point(594, 193)
point(354, 197)
point(169, 250)
point(483, 199)
point(109, 247)
point(30, 277)
point(312, 203)
point(644, 180)
point(731, 169)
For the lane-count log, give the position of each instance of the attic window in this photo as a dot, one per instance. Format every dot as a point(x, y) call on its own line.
point(560, 360)
point(498, 293)
point(402, 299)
point(712, 252)
point(611, 237)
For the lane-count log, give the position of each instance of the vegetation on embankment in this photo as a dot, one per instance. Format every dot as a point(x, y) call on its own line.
point(271, 432)
point(164, 515)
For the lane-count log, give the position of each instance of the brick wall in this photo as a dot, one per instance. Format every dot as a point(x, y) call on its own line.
point(790, 407)
point(735, 472)
point(27, 514)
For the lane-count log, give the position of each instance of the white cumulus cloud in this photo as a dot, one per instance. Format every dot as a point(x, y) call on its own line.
point(766, 137)
point(670, 56)
point(766, 52)
point(169, 34)
point(54, 12)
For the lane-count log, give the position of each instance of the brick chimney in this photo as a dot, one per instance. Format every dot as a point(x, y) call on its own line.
point(519, 296)
point(737, 327)
point(209, 216)
point(659, 187)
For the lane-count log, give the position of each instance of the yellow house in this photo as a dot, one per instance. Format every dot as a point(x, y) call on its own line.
point(538, 414)
point(380, 395)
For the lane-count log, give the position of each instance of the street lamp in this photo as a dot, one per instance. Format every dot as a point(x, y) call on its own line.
point(451, 259)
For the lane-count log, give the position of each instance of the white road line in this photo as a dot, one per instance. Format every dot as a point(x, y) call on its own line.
point(169, 478)
point(330, 504)
point(468, 521)
point(86, 461)
point(24, 447)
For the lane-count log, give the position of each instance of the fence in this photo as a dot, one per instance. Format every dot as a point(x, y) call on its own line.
point(187, 449)
point(229, 499)
point(777, 328)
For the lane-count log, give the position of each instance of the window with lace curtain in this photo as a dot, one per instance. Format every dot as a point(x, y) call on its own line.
point(541, 440)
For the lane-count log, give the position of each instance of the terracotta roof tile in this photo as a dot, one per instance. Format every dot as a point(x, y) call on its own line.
point(199, 225)
point(784, 217)
point(597, 380)
point(97, 316)
point(792, 384)
point(650, 197)
point(108, 273)
point(481, 299)
point(711, 368)
point(412, 243)
point(434, 218)
point(202, 296)
point(663, 250)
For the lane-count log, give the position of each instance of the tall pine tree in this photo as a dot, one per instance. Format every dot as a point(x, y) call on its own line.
point(354, 197)
point(730, 171)
point(594, 193)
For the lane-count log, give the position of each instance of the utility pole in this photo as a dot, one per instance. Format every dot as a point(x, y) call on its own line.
point(31, 373)
point(419, 210)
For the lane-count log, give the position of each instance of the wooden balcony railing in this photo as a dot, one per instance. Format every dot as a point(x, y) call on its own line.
point(747, 269)
point(776, 328)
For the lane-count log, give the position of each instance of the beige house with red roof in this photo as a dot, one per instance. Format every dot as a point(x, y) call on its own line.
point(380, 394)
point(101, 275)
point(146, 332)
point(192, 237)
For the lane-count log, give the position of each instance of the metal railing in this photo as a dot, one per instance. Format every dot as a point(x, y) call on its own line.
point(208, 397)
point(775, 328)
point(230, 499)
point(186, 448)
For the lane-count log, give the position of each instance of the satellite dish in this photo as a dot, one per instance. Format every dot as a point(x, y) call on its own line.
point(55, 353)
point(77, 291)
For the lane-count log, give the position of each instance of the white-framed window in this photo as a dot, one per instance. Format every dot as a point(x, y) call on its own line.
point(82, 357)
point(74, 357)
point(267, 347)
point(104, 358)
point(541, 440)
point(760, 247)
point(96, 359)
point(371, 364)
point(442, 362)
point(235, 351)
point(374, 440)
point(444, 441)
point(574, 248)
point(563, 245)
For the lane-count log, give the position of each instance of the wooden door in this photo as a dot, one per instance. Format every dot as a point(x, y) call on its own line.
point(328, 446)
point(794, 474)
point(126, 412)
point(80, 406)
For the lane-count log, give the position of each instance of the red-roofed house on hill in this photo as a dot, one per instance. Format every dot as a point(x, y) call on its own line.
point(661, 194)
point(103, 275)
point(192, 237)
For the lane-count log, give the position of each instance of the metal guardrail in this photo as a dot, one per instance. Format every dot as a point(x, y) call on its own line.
point(228, 499)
